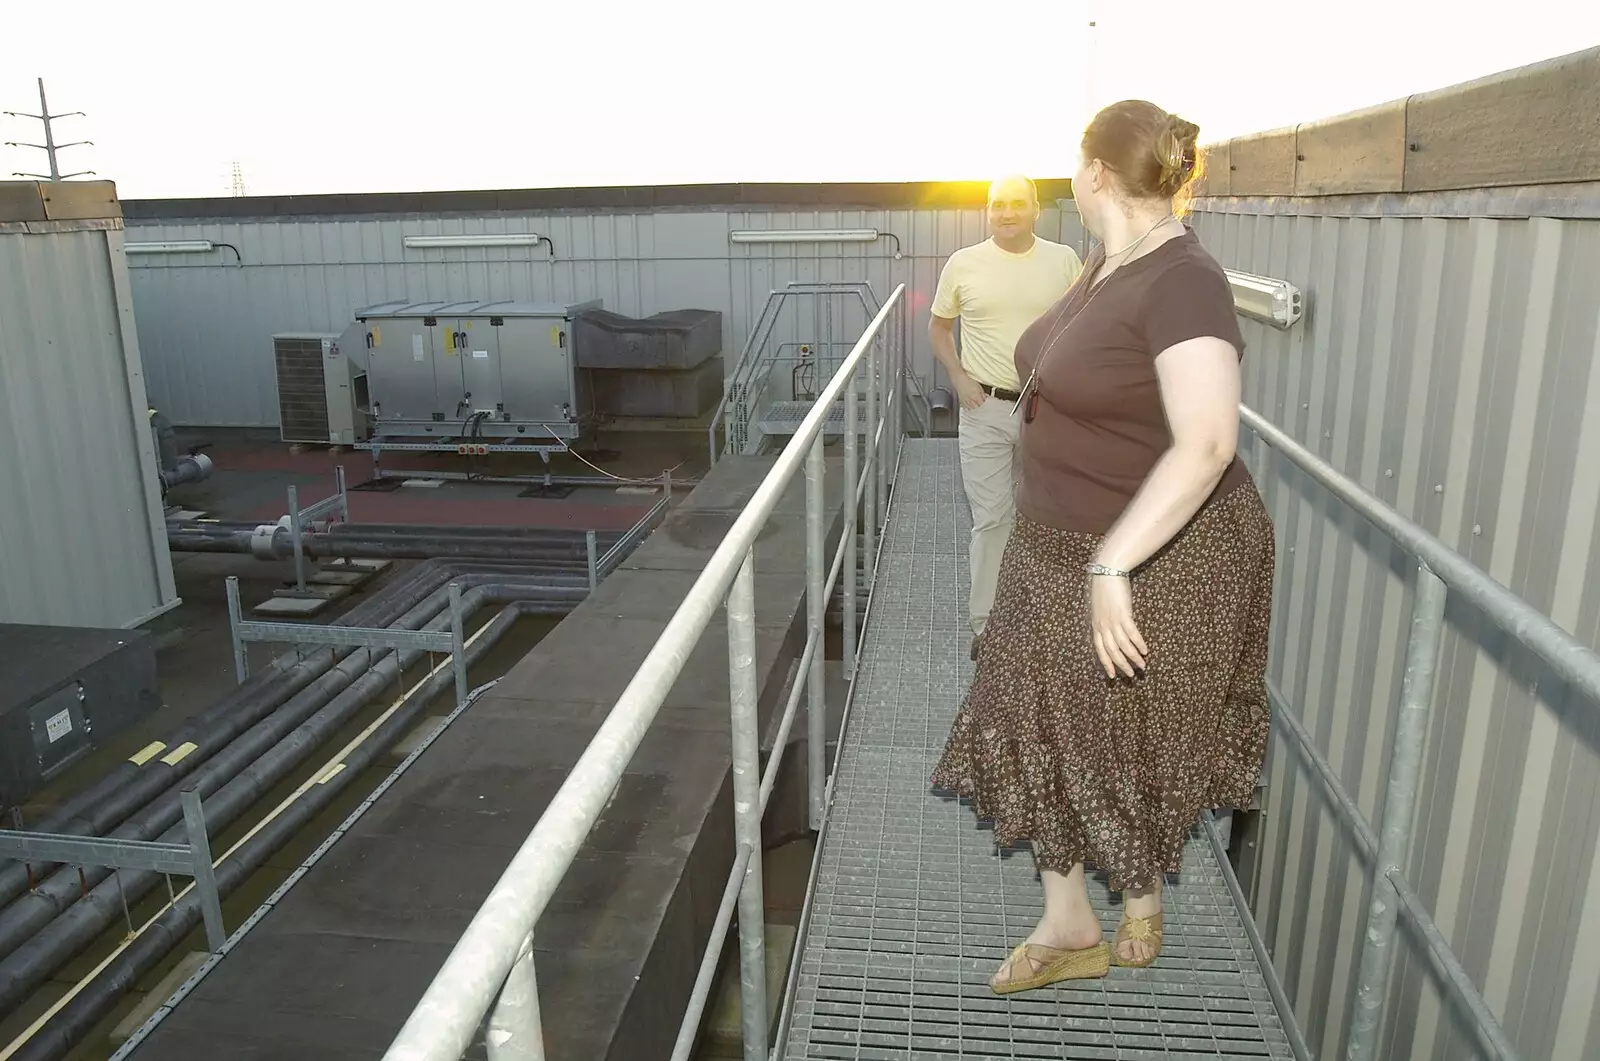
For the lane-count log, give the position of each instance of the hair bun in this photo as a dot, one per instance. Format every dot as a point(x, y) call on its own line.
point(1176, 152)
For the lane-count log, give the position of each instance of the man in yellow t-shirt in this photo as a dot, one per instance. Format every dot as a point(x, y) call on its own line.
point(996, 289)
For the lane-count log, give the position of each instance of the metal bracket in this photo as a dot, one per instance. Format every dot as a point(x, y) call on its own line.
point(192, 859)
point(450, 642)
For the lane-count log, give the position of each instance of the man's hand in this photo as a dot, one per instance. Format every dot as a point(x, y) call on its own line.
point(969, 392)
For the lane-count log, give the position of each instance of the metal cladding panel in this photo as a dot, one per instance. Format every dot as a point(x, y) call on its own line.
point(82, 542)
point(206, 320)
point(1450, 364)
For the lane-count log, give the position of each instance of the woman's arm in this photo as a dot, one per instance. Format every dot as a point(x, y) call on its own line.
point(1200, 389)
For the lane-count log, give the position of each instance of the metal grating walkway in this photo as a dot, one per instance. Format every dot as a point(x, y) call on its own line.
point(913, 910)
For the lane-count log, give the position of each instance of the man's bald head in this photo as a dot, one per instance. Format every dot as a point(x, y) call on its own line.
point(1013, 211)
point(1015, 187)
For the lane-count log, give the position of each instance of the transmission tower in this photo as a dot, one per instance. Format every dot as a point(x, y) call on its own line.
point(49, 147)
point(238, 180)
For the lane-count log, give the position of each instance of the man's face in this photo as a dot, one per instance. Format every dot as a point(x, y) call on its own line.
point(1013, 210)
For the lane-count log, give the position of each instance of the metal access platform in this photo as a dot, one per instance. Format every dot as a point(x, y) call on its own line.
point(912, 909)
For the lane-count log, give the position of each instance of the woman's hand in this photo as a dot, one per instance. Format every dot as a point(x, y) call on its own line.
point(1117, 640)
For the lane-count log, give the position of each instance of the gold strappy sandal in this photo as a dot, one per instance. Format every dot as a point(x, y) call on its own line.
point(1138, 930)
point(1051, 966)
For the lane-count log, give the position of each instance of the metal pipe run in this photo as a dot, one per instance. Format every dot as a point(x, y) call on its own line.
point(274, 745)
point(134, 782)
point(271, 542)
point(88, 1002)
point(64, 936)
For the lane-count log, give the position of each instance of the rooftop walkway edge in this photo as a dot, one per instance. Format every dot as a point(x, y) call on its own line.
point(913, 908)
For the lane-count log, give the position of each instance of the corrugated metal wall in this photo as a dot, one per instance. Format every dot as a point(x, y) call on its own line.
point(80, 513)
point(1451, 365)
point(206, 321)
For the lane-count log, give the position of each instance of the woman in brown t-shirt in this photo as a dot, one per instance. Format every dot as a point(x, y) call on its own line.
point(1121, 687)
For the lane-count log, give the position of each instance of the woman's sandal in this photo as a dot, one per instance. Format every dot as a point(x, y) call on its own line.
point(1138, 930)
point(1050, 966)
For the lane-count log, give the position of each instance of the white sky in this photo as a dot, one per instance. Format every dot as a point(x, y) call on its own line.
point(340, 95)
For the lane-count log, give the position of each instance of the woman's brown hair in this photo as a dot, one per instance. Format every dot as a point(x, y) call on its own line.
point(1155, 155)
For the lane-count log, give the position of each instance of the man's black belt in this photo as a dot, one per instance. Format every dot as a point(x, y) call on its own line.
point(1001, 393)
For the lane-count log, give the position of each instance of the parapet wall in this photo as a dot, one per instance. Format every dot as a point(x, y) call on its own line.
point(1537, 124)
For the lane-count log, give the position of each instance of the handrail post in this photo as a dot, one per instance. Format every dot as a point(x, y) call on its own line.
point(458, 642)
point(516, 1032)
point(847, 573)
point(874, 465)
point(747, 808)
point(241, 657)
point(592, 544)
point(1405, 768)
point(816, 618)
point(297, 537)
point(205, 881)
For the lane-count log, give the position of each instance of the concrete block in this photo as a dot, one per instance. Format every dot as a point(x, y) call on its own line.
point(1263, 164)
point(291, 607)
point(1537, 124)
point(338, 578)
point(370, 566)
point(1356, 153)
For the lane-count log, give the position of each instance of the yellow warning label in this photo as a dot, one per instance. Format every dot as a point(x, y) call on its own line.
point(148, 752)
point(338, 768)
point(555, 336)
point(178, 754)
point(377, 335)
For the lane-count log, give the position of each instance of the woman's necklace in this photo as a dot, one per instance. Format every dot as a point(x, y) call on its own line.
point(1062, 325)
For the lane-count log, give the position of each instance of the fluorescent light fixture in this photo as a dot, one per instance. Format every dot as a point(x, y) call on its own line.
point(485, 239)
point(176, 246)
point(1274, 302)
point(803, 235)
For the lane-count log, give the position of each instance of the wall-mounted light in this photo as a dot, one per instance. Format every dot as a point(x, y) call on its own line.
point(812, 235)
point(485, 239)
point(1274, 302)
point(174, 246)
point(803, 235)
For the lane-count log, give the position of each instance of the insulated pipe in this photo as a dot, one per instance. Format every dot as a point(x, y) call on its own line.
point(193, 468)
point(341, 685)
point(130, 785)
point(532, 534)
point(64, 937)
point(88, 1003)
point(271, 542)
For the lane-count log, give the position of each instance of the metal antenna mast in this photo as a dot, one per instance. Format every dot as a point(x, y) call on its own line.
point(49, 147)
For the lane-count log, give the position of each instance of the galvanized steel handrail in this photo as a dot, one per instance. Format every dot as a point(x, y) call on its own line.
point(737, 388)
point(1440, 570)
point(491, 967)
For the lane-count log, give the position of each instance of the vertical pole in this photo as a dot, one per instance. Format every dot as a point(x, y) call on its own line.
point(1405, 767)
point(458, 643)
point(516, 1032)
point(344, 494)
point(594, 569)
point(747, 809)
point(241, 660)
point(205, 882)
point(294, 534)
point(872, 468)
point(891, 399)
point(816, 615)
point(847, 572)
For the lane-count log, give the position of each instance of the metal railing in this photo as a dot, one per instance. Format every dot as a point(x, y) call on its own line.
point(1440, 570)
point(491, 969)
point(745, 387)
